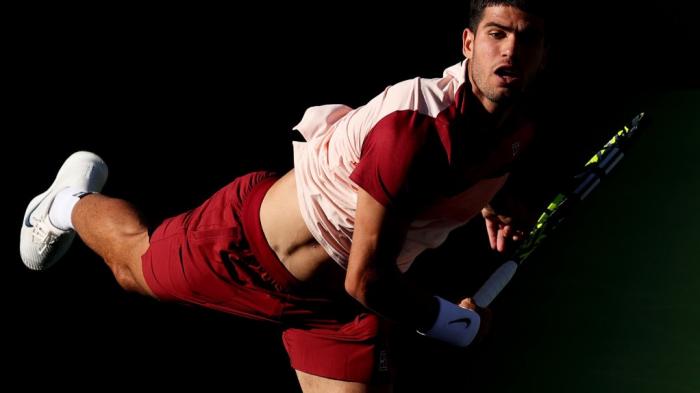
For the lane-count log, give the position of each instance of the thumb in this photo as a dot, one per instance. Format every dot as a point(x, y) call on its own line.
point(468, 303)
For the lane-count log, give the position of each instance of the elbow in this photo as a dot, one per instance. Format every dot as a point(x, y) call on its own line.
point(354, 288)
point(361, 286)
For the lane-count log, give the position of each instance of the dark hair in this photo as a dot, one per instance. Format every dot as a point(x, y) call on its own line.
point(476, 11)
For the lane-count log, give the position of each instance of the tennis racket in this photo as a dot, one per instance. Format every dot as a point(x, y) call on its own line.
point(597, 168)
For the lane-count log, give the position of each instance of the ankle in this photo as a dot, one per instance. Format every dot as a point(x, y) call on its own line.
point(61, 211)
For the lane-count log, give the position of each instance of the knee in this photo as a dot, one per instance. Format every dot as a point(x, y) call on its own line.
point(125, 279)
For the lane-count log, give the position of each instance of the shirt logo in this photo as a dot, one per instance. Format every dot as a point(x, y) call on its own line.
point(516, 148)
point(383, 361)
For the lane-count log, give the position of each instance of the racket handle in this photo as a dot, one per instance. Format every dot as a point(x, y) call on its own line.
point(495, 284)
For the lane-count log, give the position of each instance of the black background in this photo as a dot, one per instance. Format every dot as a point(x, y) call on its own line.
point(180, 99)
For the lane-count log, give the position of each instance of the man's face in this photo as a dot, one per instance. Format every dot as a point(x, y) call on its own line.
point(505, 54)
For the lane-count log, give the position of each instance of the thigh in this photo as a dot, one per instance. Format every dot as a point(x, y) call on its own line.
point(203, 257)
point(356, 351)
point(315, 384)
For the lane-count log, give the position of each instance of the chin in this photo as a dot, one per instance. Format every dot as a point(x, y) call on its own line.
point(501, 97)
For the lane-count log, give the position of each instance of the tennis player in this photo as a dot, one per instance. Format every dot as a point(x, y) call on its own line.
point(321, 249)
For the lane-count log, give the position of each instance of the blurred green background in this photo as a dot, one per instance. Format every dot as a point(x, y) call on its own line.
point(619, 305)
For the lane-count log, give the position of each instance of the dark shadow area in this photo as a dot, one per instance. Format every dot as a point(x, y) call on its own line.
point(179, 101)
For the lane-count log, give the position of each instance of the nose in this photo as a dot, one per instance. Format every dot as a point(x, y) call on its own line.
point(509, 47)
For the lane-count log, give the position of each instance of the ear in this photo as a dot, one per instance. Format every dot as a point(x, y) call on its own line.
point(467, 43)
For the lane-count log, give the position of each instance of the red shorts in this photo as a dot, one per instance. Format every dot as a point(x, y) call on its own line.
point(217, 256)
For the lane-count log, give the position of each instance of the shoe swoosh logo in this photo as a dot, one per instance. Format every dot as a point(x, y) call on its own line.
point(26, 220)
point(27, 223)
point(29, 215)
point(466, 321)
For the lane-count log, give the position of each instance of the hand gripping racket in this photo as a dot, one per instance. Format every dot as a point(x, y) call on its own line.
point(598, 167)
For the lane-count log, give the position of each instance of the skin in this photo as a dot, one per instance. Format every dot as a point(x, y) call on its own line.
point(505, 36)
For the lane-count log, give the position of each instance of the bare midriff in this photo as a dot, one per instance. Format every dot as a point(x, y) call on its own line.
point(290, 239)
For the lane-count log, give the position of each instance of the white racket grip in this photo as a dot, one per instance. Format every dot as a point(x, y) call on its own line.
point(495, 284)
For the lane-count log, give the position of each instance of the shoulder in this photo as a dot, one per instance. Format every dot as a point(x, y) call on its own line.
point(427, 96)
point(410, 108)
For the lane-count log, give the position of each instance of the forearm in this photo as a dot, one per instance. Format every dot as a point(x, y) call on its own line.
point(394, 297)
point(373, 278)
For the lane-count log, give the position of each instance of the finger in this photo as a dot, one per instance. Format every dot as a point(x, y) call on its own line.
point(502, 238)
point(506, 230)
point(492, 230)
point(500, 242)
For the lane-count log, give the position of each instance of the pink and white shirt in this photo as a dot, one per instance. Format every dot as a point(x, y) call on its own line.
point(423, 146)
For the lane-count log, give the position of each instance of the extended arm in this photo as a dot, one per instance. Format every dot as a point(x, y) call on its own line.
point(375, 281)
point(372, 276)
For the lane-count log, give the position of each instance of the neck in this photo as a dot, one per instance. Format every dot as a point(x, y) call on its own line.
point(499, 113)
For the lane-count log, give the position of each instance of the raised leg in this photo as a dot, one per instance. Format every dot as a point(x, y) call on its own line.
point(115, 231)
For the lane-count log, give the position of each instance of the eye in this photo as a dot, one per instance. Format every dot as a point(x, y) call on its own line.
point(497, 34)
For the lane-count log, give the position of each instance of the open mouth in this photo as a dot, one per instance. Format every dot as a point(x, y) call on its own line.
point(508, 74)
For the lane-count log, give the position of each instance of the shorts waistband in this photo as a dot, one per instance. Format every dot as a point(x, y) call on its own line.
point(256, 237)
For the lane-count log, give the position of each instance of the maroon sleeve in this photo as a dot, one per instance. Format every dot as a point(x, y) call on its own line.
point(389, 152)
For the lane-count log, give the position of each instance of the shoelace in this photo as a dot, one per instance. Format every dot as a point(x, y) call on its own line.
point(44, 236)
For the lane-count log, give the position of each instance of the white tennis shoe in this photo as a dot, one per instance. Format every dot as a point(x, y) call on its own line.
point(41, 244)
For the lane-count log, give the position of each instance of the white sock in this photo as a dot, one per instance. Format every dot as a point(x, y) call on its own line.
point(62, 207)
